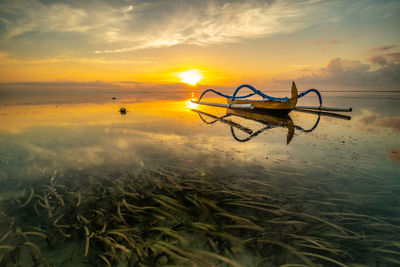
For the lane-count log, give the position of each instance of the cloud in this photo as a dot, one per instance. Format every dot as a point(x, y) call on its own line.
point(394, 56)
point(210, 22)
point(383, 48)
point(326, 42)
point(142, 60)
point(338, 66)
point(21, 17)
point(380, 60)
point(126, 25)
point(353, 73)
point(121, 26)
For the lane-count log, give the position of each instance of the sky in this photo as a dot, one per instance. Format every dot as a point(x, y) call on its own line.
point(332, 45)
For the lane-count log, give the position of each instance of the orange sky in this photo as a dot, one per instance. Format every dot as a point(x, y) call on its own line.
point(336, 44)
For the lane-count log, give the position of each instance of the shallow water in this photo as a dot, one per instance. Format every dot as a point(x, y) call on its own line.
point(305, 158)
point(39, 138)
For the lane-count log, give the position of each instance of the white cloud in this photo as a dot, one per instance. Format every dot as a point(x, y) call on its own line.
point(353, 73)
point(124, 26)
point(211, 22)
point(25, 16)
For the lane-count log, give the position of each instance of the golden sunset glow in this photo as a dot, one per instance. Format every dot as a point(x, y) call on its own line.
point(191, 76)
point(190, 105)
point(221, 43)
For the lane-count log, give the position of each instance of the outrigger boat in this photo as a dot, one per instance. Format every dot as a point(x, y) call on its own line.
point(272, 104)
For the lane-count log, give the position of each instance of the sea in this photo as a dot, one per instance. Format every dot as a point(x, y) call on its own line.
point(173, 183)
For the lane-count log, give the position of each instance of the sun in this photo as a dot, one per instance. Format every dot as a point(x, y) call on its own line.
point(191, 76)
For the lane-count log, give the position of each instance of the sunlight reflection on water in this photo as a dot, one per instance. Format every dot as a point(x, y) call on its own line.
point(93, 135)
point(303, 157)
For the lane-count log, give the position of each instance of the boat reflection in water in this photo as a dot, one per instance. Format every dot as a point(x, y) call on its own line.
point(267, 120)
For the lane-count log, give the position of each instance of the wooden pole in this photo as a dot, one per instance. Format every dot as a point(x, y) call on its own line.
point(238, 106)
point(325, 108)
point(339, 116)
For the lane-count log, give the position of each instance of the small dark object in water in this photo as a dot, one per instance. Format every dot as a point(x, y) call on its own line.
point(113, 98)
point(122, 110)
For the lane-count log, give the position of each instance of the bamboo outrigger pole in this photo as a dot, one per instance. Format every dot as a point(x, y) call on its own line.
point(238, 106)
point(325, 108)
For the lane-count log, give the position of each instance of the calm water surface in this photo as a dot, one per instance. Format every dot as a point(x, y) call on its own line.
point(343, 171)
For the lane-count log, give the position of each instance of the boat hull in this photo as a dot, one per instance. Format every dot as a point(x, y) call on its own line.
point(270, 105)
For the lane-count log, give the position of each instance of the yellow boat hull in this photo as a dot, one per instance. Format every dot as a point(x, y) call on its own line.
point(271, 105)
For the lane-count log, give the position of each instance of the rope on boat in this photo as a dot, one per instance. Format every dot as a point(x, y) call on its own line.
point(258, 92)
